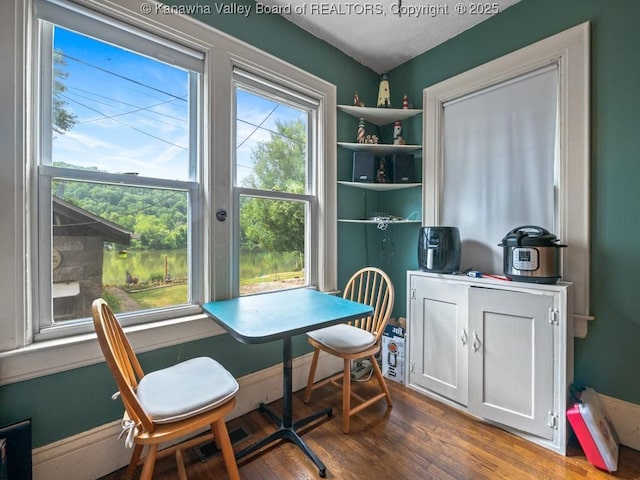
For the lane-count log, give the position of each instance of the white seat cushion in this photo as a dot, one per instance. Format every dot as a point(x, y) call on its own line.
point(344, 338)
point(185, 389)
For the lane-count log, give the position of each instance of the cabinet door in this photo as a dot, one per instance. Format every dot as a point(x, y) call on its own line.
point(438, 338)
point(511, 358)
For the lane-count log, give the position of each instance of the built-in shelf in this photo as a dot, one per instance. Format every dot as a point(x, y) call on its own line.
point(376, 222)
point(381, 187)
point(379, 148)
point(380, 116)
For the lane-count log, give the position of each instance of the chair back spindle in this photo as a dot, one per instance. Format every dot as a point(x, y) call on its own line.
point(122, 362)
point(371, 287)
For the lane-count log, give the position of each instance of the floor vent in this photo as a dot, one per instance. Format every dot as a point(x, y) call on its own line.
point(209, 449)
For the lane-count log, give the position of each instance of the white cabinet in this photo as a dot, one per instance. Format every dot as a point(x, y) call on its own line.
point(438, 336)
point(501, 351)
point(511, 358)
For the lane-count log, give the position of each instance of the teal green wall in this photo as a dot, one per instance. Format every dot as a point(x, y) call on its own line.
point(608, 358)
point(68, 403)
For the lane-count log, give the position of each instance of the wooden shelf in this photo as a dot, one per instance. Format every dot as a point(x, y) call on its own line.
point(380, 116)
point(381, 187)
point(379, 148)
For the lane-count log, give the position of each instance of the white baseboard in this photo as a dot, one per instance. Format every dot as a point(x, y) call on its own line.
point(98, 452)
point(625, 417)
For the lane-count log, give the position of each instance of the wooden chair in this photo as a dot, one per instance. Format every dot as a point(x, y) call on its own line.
point(356, 340)
point(167, 404)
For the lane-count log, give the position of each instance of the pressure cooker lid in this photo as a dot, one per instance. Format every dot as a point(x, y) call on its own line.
point(529, 236)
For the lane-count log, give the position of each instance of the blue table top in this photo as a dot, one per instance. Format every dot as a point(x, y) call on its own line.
point(271, 316)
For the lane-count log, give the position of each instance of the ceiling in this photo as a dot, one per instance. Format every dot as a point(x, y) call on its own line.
point(386, 33)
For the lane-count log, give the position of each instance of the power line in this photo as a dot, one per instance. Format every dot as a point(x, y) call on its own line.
point(280, 134)
point(109, 117)
point(123, 113)
point(137, 108)
point(172, 194)
point(109, 72)
point(257, 127)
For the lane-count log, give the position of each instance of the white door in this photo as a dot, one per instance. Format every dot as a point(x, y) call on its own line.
point(438, 338)
point(511, 359)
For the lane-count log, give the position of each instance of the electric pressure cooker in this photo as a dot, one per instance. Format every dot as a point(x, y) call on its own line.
point(531, 254)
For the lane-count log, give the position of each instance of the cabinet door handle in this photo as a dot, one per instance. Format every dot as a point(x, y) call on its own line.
point(463, 337)
point(476, 342)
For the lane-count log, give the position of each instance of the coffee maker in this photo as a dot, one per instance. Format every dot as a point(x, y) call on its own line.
point(439, 249)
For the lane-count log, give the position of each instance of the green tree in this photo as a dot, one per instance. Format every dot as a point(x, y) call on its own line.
point(158, 217)
point(279, 165)
point(153, 232)
point(63, 120)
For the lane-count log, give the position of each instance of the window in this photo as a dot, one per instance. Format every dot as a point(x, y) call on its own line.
point(274, 185)
point(567, 143)
point(118, 171)
point(499, 151)
point(144, 199)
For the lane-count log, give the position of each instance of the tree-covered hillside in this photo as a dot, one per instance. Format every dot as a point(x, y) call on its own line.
point(158, 217)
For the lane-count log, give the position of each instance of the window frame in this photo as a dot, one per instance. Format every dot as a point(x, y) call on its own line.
point(55, 15)
point(276, 89)
point(570, 50)
point(21, 357)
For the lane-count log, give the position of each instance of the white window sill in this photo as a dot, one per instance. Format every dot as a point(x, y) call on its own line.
point(54, 356)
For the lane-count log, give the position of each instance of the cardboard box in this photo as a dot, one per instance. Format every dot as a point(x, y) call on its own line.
point(392, 352)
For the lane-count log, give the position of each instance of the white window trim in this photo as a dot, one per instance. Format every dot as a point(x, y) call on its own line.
point(22, 360)
point(570, 50)
point(49, 14)
point(297, 96)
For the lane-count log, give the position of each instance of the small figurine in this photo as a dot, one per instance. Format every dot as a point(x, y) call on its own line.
point(384, 96)
point(360, 138)
point(356, 99)
point(405, 101)
point(381, 174)
point(397, 132)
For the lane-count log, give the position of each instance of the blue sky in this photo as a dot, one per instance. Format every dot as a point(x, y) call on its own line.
point(132, 112)
point(257, 118)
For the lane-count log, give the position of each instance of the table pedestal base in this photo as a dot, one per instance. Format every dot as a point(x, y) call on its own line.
point(288, 427)
point(289, 433)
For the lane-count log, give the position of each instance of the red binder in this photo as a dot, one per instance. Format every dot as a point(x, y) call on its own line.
point(594, 431)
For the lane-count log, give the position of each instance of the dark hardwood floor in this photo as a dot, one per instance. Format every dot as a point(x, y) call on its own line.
point(417, 439)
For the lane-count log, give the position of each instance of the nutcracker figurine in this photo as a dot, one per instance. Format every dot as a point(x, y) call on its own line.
point(361, 136)
point(381, 173)
point(397, 133)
